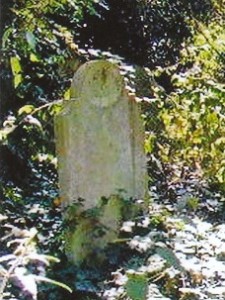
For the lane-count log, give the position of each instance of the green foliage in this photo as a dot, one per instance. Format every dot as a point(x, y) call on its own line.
point(166, 253)
point(193, 113)
point(16, 70)
point(193, 203)
point(13, 193)
point(18, 267)
point(137, 285)
point(183, 102)
point(158, 218)
point(39, 55)
point(38, 44)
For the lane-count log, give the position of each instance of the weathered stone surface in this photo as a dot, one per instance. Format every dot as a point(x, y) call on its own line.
point(100, 138)
point(99, 141)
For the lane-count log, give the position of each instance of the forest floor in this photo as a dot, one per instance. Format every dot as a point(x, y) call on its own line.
point(185, 251)
point(173, 251)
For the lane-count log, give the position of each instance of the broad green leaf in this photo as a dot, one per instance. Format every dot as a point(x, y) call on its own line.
point(137, 286)
point(15, 65)
point(31, 40)
point(26, 109)
point(34, 58)
point(169, 256)
point(17, 80)
point(55, 108)
point(16, 70)
point(149, 144)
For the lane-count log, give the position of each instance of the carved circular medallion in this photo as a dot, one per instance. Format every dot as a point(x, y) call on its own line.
point(98, 83)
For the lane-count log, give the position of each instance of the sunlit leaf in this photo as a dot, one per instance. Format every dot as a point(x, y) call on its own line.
point(43, 258)
point(17, 80)
point(149, 144)
point(26, 109)
point(48, 280)
point(34, 58)
point(16, 70)
point(67, 94)
point(15, 65)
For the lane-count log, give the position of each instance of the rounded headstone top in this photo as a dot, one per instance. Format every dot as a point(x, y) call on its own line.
point(98, 83)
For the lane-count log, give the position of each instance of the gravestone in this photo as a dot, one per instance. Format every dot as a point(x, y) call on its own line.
point(99, 142)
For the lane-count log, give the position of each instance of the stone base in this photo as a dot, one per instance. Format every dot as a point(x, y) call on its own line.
point(96, 228)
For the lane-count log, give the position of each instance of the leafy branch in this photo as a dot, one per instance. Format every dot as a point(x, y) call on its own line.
point(9, 126)
point(18, 263)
